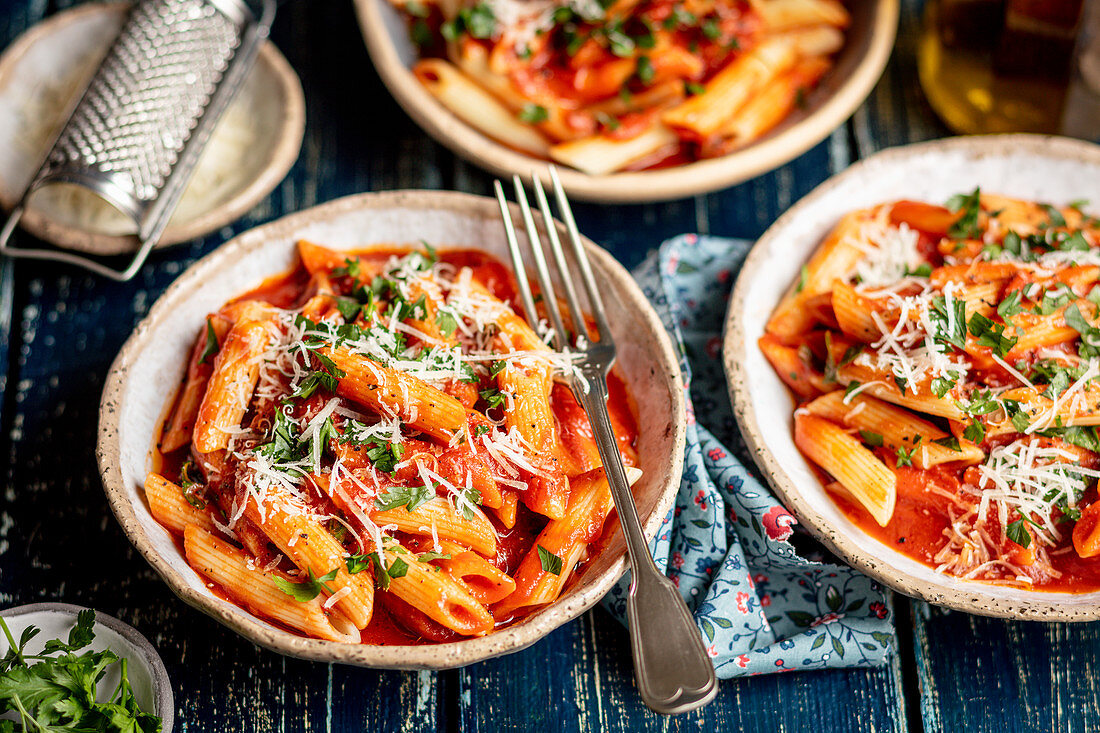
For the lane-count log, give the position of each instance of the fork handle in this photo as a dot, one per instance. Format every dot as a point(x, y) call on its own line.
point(671, 666)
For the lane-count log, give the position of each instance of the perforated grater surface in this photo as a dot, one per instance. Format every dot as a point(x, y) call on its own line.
point(136, 133)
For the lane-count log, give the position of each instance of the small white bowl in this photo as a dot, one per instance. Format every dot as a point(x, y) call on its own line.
point(870, 39)
point(1033, 167)
point(54, 60)
point(153, 360)
point(144, 668)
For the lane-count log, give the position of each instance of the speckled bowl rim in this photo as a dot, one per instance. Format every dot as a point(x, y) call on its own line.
point(970, 596)
point(704, 176)
point(281, 157)
point(163, 698)
point(437, 656)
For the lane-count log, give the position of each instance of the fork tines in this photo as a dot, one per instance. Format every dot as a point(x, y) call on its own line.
point(546, 284)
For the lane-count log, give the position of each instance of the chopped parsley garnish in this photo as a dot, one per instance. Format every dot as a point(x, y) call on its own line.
point(975, 432)
point(950, 327)
point(1017, 532)
point(447, 322)
point(852, 387)
point(349, 308)
point(410, 497)
point(644, 70)
point(467, 499)
point(1010, 306)
point(478, 22)
point(1055, 216)
point(991, 334)
point(533, 114)
point(307, 590)
point(550, 562)
point(212, 346)
point(1090, 334)
point(350, 268)
point(871, 438)
point(966, 226)
point(941, 386)
point(493, 397)
point(429, 556)
point(950, 442)
point(482, 429)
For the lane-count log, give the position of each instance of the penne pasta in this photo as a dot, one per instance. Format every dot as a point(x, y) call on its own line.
point(256, 589)
point(379, 436)
point(946, 361)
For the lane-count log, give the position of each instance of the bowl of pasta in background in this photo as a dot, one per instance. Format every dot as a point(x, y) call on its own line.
point(857, 66)
point(1030, 167)
point(134, 400)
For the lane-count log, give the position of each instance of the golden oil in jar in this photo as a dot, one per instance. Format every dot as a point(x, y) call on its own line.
point(991, 66)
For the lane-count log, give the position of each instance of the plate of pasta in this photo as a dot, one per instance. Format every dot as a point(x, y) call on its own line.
point(337, 436)
point(912, 351)
point(633, 100)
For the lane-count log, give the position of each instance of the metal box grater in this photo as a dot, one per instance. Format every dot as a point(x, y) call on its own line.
point(136, 133)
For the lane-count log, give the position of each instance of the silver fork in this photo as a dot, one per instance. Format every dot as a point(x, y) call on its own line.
point(671, 666)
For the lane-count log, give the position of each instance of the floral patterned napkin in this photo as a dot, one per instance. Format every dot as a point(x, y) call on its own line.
point(761, 604)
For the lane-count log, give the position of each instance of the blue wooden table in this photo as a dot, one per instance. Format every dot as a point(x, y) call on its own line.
point(60, 329)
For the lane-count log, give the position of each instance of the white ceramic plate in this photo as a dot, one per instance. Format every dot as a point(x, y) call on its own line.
point(1032, 167)
point(870, 39)
point(151, 364)
point(252, 148)
point(144, 669)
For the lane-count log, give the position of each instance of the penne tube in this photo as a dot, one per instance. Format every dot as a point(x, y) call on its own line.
point(438, 518)
point(565, 538)
point(180, 427)
point(729, 89)
point(439, 596)
point(894, 427)
point(485, 582)
point(478, 108)
point(1086, 533)
point(832, 261)
point(822, 40)
point(169, 506)
point(395, 393)
point(864, 476)
point(773, 104)
point(236, 370)
point(256, 589)
point(792, 365)
point(602, 154)
point(915, 397)
point(307, 544)
point(781, 15)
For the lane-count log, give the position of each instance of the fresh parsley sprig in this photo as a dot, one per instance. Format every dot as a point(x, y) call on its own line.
point(58, 693)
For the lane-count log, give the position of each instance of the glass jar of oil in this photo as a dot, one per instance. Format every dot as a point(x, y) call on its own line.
point(991, 66)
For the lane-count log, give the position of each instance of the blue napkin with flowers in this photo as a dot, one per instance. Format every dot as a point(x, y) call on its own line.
point(761, 605)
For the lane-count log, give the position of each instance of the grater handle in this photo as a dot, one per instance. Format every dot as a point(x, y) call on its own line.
point(57, 255)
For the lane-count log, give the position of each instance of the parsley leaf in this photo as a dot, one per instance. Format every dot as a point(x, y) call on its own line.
point(550, 562)
point(975, 432)
point(58, 693)
point(1010, 306)
point(1056, 218)
point(966, 226)
point(307, 590)
point(1017, 532)
point(1090, 335)
point(410, 497)
point(349, 308)
point(991, 334)
point(871, 438)
point(447, 322)
point(644, 70)
point(349, 269)
point(492, 396)
point(533, 114)
point(212, 346)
